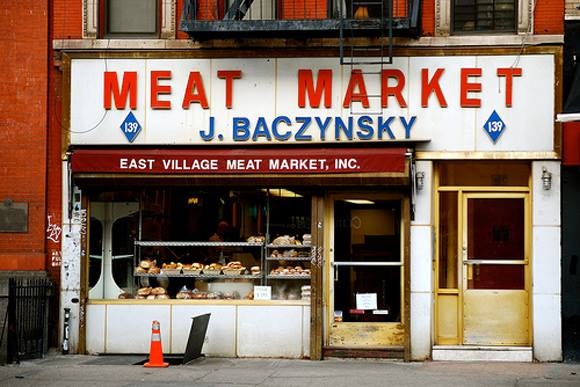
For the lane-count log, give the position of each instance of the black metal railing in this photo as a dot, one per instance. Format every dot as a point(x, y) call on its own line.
point(28, 306)
point(242, 17)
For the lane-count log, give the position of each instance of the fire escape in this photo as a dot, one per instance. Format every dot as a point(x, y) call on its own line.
point(365, 28)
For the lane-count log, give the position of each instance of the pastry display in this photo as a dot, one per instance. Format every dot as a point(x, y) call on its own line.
point(285, 240)
point(290, 270)
point(256, 239)
point(145, 291)
point(155, 270)
point(212, 269)
point(192, 268)
point(147, 266)
point(255, 270)
point(157, 291)
point(189, 278)
point(183, 295)
point(233, 268)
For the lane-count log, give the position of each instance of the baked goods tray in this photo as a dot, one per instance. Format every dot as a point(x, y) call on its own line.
point(137, 274)
point(234, 272)
point(222, 276)
point(191, 272)
point(288, 246)
point(270, 258)
point(171, 271)
point(288, 276)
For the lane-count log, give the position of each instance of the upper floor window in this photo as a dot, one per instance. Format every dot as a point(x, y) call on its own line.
point(484, 15)
point(122, 19)
point(131, 18)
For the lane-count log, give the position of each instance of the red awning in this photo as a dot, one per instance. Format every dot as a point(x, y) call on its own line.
point(240, 161)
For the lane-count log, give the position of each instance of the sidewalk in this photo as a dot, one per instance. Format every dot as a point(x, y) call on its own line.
point(86, 371)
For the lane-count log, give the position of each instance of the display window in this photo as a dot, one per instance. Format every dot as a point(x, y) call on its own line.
point(199, 243)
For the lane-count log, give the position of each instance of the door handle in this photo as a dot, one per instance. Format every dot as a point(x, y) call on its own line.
point(469, 272)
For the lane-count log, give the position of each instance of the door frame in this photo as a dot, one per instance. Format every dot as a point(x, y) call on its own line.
point(464, 263)
point(451, 296)
point(328, 281)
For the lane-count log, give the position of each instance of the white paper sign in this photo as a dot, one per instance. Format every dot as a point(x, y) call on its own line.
point(366, 301)
point(262, 292)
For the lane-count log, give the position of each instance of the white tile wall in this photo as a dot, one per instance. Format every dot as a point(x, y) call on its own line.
point(221, 330)
point(421, 323)
point(546, 261)
point(547, 327)
point(274, 331)
point(96, 315)
point(129, 327)
point(233, 330)
point(421, 259)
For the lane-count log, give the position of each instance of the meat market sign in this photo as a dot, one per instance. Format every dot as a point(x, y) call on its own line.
point(449, 100)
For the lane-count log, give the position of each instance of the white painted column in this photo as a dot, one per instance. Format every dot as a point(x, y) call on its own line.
point(70, 270)
point(546, 263)
point(422, 268)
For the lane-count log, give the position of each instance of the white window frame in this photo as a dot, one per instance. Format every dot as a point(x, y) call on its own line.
point(443, 13)
point(91, 19)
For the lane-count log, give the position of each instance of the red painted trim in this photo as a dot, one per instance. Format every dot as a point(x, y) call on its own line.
point(571, 144)
point(239, 161)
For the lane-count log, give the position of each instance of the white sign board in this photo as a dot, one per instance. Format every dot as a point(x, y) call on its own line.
point(458, 103)
point(262, 292)
point(366, 301)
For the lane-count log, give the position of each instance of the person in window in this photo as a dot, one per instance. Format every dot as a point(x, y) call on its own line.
point(221, 234)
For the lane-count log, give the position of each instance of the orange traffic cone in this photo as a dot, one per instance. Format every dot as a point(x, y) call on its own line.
point(155, 352)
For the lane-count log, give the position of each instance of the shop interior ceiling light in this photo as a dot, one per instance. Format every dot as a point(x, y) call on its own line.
point(282, 193)
point(359, 201)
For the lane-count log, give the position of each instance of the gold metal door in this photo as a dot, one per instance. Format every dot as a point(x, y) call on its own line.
point(365, 272)
point(495, 260)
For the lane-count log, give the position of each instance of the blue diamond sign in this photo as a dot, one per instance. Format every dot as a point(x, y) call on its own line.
point(494, 126)
point(130, 127)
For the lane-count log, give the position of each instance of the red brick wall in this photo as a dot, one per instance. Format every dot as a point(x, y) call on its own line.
point(549, 17)
point(23, 92)
point(67, 19)
point(54, 170)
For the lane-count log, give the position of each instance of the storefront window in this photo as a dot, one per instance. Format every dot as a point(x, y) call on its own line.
point(208, 243)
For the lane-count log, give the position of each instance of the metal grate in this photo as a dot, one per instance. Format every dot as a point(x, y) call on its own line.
point(28, 305)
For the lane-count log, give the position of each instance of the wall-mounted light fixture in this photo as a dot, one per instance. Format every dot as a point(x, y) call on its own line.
point(546, 179)
point(420, 180)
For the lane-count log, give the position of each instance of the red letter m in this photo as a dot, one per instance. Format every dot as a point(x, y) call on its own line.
point(306, 85)
point(111, 89)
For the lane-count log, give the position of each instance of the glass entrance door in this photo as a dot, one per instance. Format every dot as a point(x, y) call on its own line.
point(495, 269)
point(366, 288)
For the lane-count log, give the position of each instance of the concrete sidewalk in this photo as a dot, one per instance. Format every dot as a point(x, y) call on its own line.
point(77, 370)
